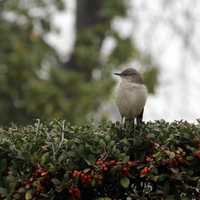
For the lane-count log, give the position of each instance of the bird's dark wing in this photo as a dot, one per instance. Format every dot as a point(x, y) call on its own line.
point(140, 117)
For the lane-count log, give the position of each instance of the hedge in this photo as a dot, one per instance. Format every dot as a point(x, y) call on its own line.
point(59, 161)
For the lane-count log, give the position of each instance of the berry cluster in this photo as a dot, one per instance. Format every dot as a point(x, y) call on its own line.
point(96, 174)
point(85, 177)
point(39, 176)
point(105, 165)
point(35, 185)
point(171, 158)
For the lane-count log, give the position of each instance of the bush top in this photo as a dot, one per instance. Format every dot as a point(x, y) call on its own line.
point(156, 151)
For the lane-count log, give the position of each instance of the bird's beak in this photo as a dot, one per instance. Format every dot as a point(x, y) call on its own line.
point(118, 74)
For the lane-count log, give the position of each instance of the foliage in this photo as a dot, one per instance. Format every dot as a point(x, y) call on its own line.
point(158, 160)
point(26, 62)
point(34, 82)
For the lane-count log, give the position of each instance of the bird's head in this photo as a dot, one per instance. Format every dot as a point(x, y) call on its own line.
point(130, 75)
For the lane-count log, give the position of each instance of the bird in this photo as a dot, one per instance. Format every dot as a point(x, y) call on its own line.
point(131, 95)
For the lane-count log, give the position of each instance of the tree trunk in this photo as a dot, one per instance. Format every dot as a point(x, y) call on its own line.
point(88, 17)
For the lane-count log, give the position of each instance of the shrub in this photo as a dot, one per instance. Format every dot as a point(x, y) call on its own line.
point(57, 161)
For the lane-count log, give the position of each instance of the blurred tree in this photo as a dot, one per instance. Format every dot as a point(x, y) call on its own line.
point(32, 82)
point(26, 89)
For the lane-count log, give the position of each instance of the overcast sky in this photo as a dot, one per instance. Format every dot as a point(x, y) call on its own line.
point(178, 94)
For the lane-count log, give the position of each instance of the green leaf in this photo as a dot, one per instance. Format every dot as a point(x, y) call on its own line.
point(55, 181)
point(93, 183)
point(124, 157)
point(45, 158)
point(125, 182)
point(189, 158)
point(3, 165)
point(90, 160)
point(28, 195)
point(162, 178)
point(170, 197)
point(3, 191)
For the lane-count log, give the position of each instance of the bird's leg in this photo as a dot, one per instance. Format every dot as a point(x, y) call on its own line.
point(139, 118)
point(127, 123)
point(123, 123)
point(122, 119)
point(133, 123)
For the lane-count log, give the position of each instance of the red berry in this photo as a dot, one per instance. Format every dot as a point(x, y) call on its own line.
point(75, 192)
point(132, 163)
point(104, 168)
point(76, 173)
point(99, 162)
point(180, 159)
point(112, 162)
point(125, 171)
point(145, 171)
point(89, 179)
point(197, 154)
point(82, 176)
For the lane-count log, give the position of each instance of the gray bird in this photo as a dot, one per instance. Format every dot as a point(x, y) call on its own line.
point(131, 95)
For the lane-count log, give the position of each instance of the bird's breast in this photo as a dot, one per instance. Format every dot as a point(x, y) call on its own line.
point(131, 99)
